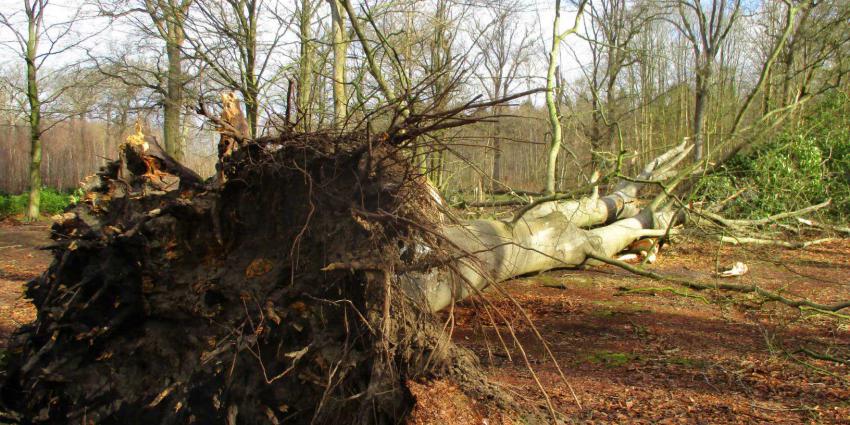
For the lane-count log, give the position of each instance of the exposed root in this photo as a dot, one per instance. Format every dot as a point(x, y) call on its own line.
point(266, 296)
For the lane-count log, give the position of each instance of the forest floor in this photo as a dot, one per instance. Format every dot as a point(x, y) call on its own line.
point(631, 353)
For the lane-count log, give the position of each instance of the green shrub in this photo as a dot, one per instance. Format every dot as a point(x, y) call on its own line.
point(802, 166)
point(52, 202)
point(12, 204)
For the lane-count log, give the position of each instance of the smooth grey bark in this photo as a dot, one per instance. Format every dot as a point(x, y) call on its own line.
point(498, 251)
point(35, 15)
point(340, 51)
point(305, 65)
point(173, 101)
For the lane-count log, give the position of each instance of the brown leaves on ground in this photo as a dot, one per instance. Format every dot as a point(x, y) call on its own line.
point(19, 262)
point(660, 357)
point(440, 402)
point(639, 357)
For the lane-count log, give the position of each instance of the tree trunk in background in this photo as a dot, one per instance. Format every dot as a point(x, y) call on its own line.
point(173, 102)
point(497, 151)
point(340, 40)
point(441, 64)
point(34, 204)
point(252, 107)
point(597, 161)
point(305, 66)
point(554, 119)
point(701, 96)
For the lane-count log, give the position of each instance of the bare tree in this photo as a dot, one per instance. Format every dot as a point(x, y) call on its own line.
point(611, 32)
point(444, 66)
point(373, 67)
point(37, 40)
point(12, 100)
point(340, 51)
point(227, 37)
point(706, 29)
point(306, 61)
point(164, 21)
point(504, 44)
point(554, 116)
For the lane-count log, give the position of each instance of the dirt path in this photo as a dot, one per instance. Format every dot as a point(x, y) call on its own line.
point(652, 356)
point(20, 261)
point(646, 356)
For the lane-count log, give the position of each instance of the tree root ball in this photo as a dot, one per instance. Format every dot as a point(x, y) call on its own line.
point(268, 296)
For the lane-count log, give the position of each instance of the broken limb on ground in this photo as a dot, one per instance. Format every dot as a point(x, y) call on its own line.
point(298, 288)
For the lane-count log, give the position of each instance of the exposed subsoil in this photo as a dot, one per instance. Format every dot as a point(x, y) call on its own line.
point(632, 357)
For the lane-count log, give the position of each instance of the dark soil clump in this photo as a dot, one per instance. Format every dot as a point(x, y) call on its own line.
point(268, 298)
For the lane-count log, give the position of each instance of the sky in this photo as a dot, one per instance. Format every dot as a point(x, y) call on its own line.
point(99, 37)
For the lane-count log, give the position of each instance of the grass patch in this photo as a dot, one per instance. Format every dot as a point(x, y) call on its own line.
point(613, 308)
point(562, 281)
point(687, 362)
point(611, 358)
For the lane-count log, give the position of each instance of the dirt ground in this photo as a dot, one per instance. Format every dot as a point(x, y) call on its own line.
point(634, 350)
point(20, 261)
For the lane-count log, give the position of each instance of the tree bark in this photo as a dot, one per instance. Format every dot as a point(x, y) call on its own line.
point(173, 102)
point(305, 65)
point(340, 40)
point(34, 203)
point(503, 250)
point(551, 106)
point(701, 99)
point(252, 107)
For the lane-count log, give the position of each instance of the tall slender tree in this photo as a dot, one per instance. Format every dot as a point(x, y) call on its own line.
point(306, 60)
point(558, 36)
point(504, 43)
point(340, 54)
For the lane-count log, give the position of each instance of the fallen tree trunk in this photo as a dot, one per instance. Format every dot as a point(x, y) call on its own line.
point(622, 203)
point(547, 235)
point(496, 251)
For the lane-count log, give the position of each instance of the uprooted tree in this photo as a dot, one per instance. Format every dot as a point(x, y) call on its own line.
point(299, 285)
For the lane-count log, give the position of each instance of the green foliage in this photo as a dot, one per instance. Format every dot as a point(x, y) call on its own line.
point(800, 167)
point(52, 202)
